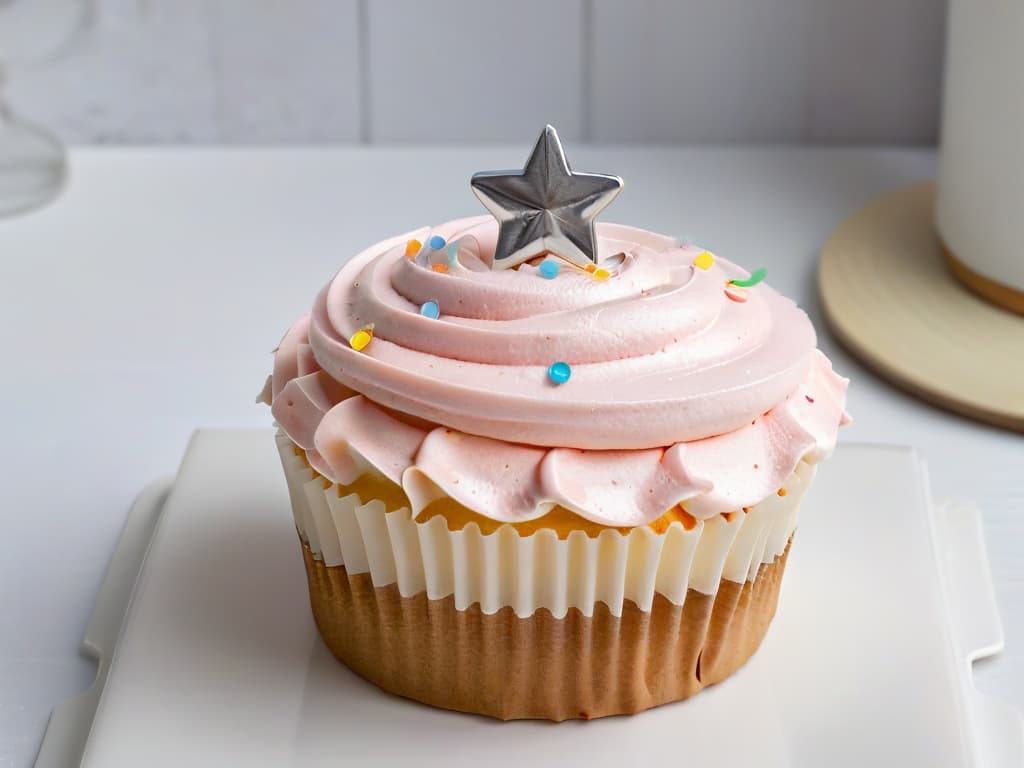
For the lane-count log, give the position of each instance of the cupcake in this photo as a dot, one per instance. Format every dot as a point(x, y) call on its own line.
point(542, 468)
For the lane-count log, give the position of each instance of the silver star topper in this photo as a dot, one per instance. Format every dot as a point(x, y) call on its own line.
point(546, 208)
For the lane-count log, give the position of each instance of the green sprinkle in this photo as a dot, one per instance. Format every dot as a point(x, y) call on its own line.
point(755, 277)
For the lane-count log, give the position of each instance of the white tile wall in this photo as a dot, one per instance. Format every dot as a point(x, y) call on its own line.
point(243, 71)
point(203, 71)
point(294, 75)
point(142, 72)
point(700, 71)
point(457, 70)
point(877, 69)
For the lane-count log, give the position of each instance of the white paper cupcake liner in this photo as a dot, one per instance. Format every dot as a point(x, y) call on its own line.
point(526, 573)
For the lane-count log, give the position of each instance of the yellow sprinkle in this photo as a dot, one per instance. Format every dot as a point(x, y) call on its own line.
point(704, 260)
point(601, 274)
point(412, 248)
point(360, 339)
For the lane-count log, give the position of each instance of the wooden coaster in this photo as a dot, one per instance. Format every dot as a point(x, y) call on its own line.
point(889, 297)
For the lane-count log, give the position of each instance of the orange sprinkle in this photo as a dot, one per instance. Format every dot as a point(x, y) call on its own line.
point(728, 516)
point(591, 268)
point(412, 248)
point(746, 510)
point(442, 268)
point(782, 491)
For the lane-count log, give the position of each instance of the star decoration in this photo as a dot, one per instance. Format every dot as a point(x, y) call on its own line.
point(546, 208)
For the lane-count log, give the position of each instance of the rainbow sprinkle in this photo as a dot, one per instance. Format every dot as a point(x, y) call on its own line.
point(436, 242)
point(549, 269)
point(430, 309)
point(361, 338)
point(755, 277)
point(559, 372)
point(704, 261)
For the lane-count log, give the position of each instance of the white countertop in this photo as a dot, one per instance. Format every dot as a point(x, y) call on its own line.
point(144, 303)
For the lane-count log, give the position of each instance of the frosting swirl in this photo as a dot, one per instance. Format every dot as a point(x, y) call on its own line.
point(677, 392)
point(659, 354)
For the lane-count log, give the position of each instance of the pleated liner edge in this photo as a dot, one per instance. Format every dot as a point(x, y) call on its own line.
point(540, 666)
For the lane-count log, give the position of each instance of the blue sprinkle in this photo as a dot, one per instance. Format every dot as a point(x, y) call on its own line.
point(559, 372)
point(436, 242)
point(549, 269)
point(430, 309)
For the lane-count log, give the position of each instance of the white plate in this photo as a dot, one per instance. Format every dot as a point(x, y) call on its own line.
point(885, 603)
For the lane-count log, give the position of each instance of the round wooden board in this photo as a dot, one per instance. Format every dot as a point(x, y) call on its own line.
point(890, 299)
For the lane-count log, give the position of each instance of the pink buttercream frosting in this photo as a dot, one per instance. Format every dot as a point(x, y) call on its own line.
point(678, 394)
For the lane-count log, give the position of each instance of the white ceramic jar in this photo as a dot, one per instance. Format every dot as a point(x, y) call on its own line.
point(980, 209)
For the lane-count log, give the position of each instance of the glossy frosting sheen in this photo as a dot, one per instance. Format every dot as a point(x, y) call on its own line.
point(678, 394)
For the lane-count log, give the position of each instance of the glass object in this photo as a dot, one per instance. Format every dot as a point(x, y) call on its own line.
point(33, 163)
